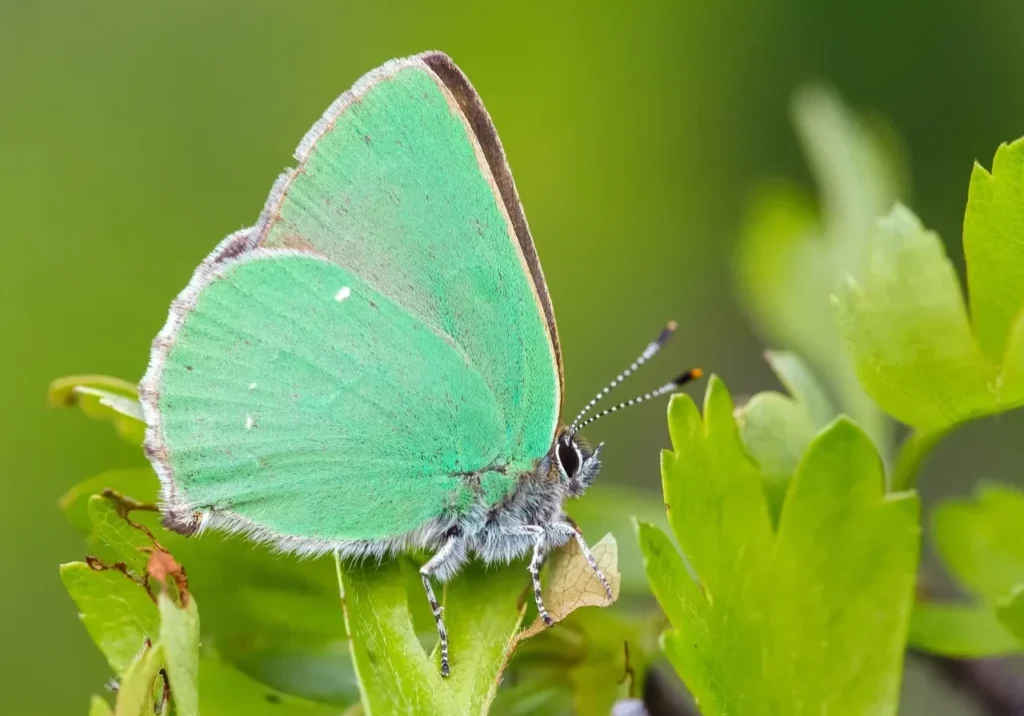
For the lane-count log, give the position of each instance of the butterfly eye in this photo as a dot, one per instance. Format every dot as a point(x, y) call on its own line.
point(569, 458)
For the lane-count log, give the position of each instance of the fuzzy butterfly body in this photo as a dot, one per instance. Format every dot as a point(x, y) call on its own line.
point(374, 366)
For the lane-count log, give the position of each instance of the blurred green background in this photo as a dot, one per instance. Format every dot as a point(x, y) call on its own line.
point(134, 135)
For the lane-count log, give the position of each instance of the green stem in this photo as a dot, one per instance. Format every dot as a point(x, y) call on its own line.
point(918, 445)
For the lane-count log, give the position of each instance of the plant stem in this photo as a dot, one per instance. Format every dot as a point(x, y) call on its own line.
point(918, 445)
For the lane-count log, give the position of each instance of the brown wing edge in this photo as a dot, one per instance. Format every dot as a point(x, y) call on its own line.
point(473, 107)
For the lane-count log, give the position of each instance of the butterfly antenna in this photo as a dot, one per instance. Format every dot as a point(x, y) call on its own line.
point(675, 385)
point(649, 352)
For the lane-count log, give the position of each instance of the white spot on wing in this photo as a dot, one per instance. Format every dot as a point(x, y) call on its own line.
point(249, 422)
point(343, 293)
point(252, 386)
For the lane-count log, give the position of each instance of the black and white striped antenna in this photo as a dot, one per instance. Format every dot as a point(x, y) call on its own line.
point(649, 352)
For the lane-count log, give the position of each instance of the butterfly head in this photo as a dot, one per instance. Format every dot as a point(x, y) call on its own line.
point(577, 464)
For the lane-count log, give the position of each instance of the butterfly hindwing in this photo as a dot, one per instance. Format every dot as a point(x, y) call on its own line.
point(293, 397)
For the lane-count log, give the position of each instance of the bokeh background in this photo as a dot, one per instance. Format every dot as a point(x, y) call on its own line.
point(134, 135)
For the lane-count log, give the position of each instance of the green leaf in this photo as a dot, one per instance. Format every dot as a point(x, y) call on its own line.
point(103, 398)
point(116, 536)
point(179, 636)
point(759, 633)
point(483, 609)
point(777, 429)
point(905, 320)
point(275, 617)
point(224, 691)
point(1011, 613)
point(906, 327)
point(135, 694)
point(961, 632)
point(395, 675)
point(791, 260)
point(994, 248)
point(99, 707)
point(980, 542)
point(141, 483)
point(117, 611)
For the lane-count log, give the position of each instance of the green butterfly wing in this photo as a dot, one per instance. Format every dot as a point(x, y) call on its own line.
point(379, 350)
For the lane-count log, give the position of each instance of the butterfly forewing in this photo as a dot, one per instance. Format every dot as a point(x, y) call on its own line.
point(385, 341)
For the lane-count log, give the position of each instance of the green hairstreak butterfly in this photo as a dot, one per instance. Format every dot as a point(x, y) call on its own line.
point(374, 366)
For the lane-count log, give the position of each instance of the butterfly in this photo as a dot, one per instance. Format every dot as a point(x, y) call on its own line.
point(374, 366)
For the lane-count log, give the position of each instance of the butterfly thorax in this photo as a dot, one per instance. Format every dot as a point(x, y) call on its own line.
point(503, 533)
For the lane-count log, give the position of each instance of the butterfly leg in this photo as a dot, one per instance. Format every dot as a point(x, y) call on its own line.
point(569, 527)
point(539, 555)
point(445, 561)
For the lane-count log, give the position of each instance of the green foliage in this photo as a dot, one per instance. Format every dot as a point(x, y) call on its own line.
point(979, 542)
point(906, 325)
point(776, 428)
point(275, 627)
point(791, 589)
point(782, 621)
point(792, 258)
point(179, 635)
point(102, 397)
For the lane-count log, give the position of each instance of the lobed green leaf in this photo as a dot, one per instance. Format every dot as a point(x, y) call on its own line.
point(906, 324)
point(994, 248)
point(761, 630)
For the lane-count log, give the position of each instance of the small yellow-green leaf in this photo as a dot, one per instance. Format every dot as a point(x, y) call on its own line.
point(980, 540)
point(1011, 613)
point(994, 247)
point(99, 707)
point(104, 398)
point(961, 631)
point(571, 583)
point(179, 636)
point(777, 429)
point(906, 327)
point(135, 696)
point(117, 611)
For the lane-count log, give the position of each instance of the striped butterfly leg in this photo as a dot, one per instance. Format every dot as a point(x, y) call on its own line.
point(539, 555)
point(446, 561)
point(569, 528)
